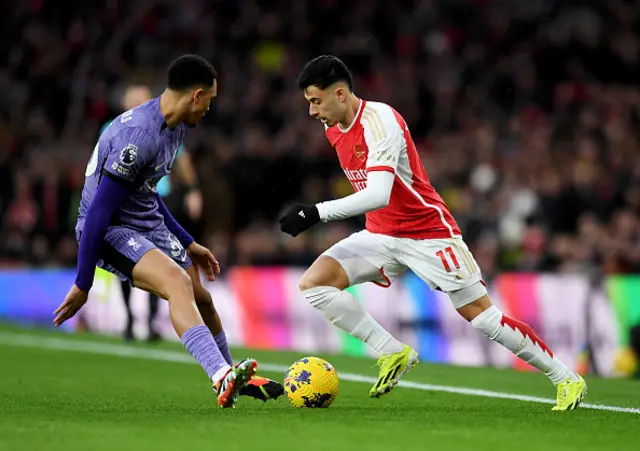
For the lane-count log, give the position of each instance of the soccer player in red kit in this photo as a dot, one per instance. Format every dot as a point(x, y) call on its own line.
point(408, 226)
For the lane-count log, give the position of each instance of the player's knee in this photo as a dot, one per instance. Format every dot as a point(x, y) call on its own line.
point(321, 297)
point(325, 272)
point(312, 279)
point(471, 303)
point(307, 281)
point(177, 283)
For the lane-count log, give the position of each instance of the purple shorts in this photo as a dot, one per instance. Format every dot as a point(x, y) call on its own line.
point(123, 247)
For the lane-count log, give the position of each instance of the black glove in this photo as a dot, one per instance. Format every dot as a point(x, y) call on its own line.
point(299, 219)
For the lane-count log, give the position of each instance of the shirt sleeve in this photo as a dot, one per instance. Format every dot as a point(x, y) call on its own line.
point(384, 138)
point(107, 199)
point(376, 195)
point(130, 151)
point(104, 127)
point(173, 225)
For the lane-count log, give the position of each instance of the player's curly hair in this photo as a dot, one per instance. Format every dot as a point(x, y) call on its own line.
point(189, 71)
point(323, 71)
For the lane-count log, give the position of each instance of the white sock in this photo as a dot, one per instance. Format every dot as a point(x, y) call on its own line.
point(215, 378)
point(344, 311)
point(520, 339)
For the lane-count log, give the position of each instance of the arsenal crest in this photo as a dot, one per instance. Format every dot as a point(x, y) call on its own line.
point(359, 151)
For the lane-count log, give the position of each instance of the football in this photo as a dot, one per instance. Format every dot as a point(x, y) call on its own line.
point(311, 382)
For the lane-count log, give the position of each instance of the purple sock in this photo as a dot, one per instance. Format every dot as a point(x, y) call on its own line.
point(200, 344)
point(221, 341)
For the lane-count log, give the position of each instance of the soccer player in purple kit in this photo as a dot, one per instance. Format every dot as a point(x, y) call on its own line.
point(124, 227)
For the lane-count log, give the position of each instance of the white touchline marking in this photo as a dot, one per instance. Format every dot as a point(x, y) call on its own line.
point(182, 357)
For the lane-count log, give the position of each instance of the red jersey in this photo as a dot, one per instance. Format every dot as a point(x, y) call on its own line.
point(379, 140)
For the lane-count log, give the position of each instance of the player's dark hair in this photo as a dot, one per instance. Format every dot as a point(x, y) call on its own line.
point(324, 71)
point(189, 71)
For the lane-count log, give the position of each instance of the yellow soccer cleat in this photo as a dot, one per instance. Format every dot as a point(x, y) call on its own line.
point(570, 394)
point(392, 368)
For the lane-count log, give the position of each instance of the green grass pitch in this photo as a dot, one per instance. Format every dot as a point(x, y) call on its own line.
point(61, 392)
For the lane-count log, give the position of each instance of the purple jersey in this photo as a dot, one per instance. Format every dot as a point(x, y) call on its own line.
point(136, 149)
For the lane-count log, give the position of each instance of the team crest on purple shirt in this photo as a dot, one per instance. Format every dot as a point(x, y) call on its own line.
point(128, 155)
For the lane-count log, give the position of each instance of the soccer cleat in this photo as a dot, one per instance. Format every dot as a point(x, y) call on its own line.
point(570, 394)
point(262, 388)
point(392, 368)
point(231, 384)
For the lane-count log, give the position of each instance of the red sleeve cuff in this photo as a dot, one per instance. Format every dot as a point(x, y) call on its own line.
point(381, 168)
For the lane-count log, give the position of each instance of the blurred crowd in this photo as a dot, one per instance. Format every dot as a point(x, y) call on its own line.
point(525, 114)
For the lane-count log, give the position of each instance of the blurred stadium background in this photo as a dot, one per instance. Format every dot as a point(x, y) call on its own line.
point(526, 116)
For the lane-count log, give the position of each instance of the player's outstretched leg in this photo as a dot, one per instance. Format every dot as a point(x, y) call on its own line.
point(520, 339)
point(157, 273)
point(258, 387)
point(323, 286)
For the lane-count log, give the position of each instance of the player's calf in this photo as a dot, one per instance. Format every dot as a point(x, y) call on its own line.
point(204, 303)
point(516, 336)
point(323, 286)
point(256, 387)
point(156, 272)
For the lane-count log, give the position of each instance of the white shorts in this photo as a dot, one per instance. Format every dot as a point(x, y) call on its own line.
point(444, 264)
